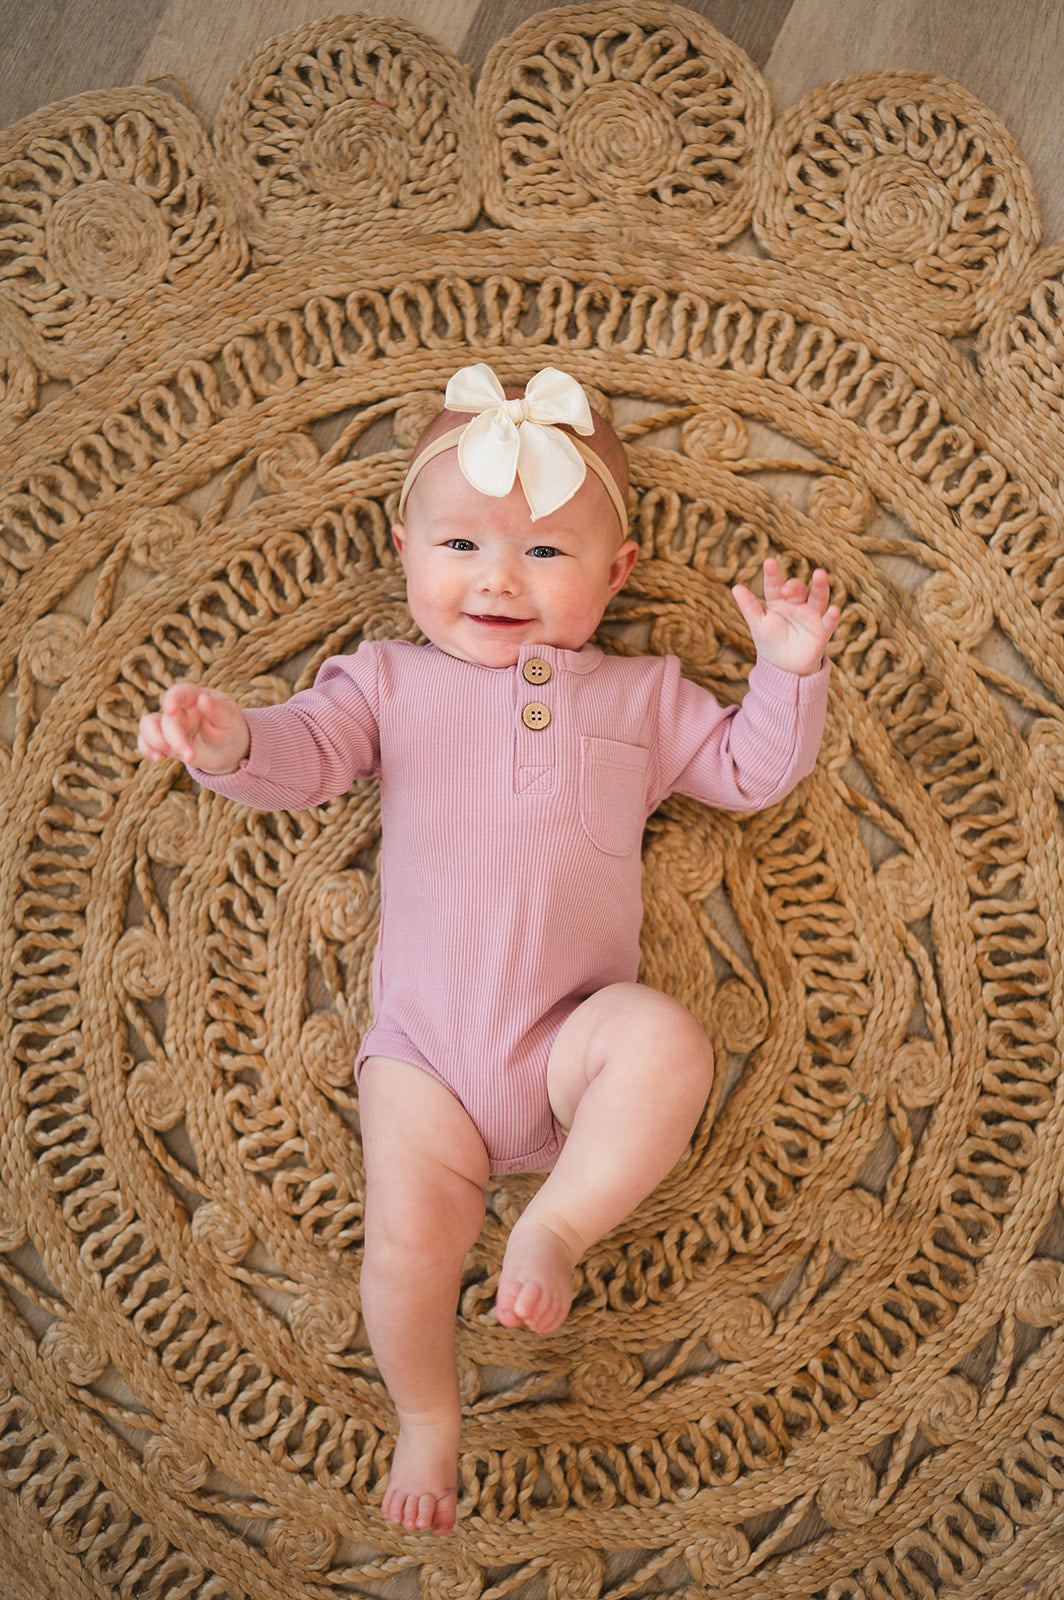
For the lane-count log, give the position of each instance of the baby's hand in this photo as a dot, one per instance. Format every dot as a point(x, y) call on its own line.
point(791, 629)
point(201, 727)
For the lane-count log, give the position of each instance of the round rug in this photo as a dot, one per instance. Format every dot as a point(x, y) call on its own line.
point(824, 1361)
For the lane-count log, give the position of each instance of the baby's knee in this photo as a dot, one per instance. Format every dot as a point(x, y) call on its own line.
point(686, 1042)
point(396, 1227)
point(418, 1224)
point(636, 1015)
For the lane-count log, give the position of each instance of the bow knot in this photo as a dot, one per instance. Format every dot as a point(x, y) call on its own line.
point(521, 439)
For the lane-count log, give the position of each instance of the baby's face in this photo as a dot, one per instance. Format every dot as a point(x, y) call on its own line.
point(483, 580)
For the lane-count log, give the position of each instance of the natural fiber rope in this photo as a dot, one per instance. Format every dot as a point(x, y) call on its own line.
point(825, 1360)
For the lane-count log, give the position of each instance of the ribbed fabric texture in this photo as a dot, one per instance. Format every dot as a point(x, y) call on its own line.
point(511, 856)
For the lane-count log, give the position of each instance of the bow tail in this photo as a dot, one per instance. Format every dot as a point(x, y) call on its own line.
point(488, 453)
point(549, 466)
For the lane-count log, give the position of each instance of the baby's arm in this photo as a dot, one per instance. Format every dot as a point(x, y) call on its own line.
point(744, 757)
point(791, 629)
point(280, 757)
point(204, 728)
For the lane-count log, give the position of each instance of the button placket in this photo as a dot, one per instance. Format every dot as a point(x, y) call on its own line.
point(535, 756)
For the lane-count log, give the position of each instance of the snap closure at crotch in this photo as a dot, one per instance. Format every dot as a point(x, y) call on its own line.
point(535, 716)
point(536, 671)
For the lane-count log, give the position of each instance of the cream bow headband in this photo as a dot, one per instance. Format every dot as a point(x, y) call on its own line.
point(508, 439)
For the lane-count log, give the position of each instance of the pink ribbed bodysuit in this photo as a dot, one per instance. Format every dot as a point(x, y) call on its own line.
point(511, 855)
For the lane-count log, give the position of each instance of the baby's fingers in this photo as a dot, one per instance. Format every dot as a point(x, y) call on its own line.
point(175, 731)
point(180, 699)
point(830, 620)
point(160, 739)
point(819, 594)
point(748, 604)
point(218, 713)
point(772, 579)
point(150, 740)
point(794, 592)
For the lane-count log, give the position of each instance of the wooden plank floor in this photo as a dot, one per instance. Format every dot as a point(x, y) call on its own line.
point(1010, 56)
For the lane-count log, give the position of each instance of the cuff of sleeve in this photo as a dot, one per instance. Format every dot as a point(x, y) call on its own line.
point(254, 765)
point(794, 687)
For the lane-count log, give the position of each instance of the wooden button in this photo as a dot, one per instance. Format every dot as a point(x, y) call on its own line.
point(535, 716)
point(536, 671)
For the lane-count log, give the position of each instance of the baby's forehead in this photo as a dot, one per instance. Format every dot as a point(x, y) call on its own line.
point(439, 476)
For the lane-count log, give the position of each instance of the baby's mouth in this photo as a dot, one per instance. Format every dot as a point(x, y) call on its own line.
point(489, 620)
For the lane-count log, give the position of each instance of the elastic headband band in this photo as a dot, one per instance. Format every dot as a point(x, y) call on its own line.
point(449, 441)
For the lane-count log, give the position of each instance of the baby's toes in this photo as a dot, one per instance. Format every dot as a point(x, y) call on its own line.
point(548, 1312)
point(531, 1305)
point(507, 1300)
point(444, 1515)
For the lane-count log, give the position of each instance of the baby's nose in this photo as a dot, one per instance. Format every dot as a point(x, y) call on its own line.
point(499, 575)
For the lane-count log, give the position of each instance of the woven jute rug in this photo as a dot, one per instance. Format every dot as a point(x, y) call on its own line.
point(825, 1360)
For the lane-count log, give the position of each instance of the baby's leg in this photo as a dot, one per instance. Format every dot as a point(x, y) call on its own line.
point(629, 1076)
point(426, 1168)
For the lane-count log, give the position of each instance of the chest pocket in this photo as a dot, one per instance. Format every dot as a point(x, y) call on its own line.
point(613, 780)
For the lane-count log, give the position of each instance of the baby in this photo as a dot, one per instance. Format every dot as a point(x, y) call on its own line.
point(518, 765)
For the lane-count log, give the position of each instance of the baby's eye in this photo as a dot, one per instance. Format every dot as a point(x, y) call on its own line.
point(543, 552)
point(460, 544)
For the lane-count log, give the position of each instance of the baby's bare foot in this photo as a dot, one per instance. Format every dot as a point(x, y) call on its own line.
point(422, 1492)
point(536, 1283)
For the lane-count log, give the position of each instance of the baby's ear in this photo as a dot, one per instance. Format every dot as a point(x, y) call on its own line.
point(398, 535)
point(623, 562)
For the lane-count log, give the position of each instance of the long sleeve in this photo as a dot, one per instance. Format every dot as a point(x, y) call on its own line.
point(739, 758)
point(314, 746)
